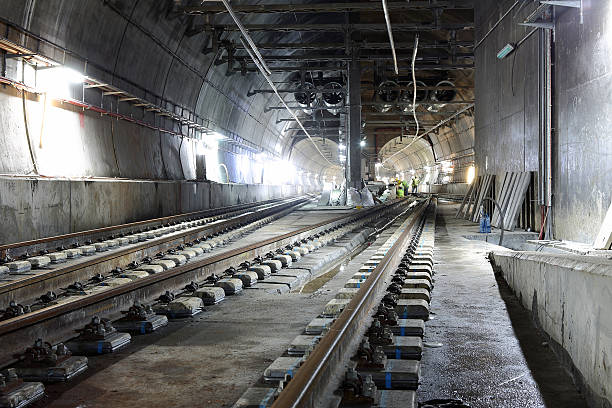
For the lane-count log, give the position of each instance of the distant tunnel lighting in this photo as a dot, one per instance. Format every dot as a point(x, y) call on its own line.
point(218, 136)
point(362, 143)
point(471, 174)
point(341, 146)
point(504, 52)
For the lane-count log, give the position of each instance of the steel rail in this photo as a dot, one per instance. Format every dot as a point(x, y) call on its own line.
point(10, 325)
point(313, 378)
point(213, 212)
point(207, 228)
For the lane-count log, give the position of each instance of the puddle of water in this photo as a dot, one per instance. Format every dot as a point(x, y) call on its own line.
point(318, 282)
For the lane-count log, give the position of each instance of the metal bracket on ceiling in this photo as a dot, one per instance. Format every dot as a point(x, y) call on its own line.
point(566, 3)
point(540, 24)
point(563, 3)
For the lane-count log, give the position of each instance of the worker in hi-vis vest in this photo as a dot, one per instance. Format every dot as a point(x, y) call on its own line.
point(415, 184)
point(399, 189)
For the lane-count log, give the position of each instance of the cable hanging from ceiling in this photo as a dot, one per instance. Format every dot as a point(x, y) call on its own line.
point(260, 63)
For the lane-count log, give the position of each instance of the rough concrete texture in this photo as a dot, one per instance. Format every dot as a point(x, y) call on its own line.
point(481, 346)
point(211, 359)
point(507, 109)
point(567, 296)
point(33, 208)
point(143, 48)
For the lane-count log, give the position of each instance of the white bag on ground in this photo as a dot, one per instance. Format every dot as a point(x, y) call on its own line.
point(367, 200)
point(353, 197)
point(324, 200)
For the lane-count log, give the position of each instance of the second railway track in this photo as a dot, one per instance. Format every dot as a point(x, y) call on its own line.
point(58, 321)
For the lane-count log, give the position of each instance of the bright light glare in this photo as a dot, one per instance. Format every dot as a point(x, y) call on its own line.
point(378, 165)
point(244, 167)
point(362, 143)
point(56, 81)
point(471, 174)
point(277, 172)
point(217, 136)
point(341, 146)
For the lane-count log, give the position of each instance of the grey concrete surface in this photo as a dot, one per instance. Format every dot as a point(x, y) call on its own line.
point(567, 297)
point(212, 359)
point(507, 109)
point(32, 208)
point(142, 48)
point(483, 348)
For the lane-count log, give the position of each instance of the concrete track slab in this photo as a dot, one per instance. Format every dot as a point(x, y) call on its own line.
point(211, 359)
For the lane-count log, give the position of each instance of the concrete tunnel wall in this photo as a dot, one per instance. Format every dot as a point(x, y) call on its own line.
point(567, 296)
point(32, 208)
point(138, 47)
point(507, 110)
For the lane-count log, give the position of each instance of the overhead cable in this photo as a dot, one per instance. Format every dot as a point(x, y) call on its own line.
point(390, 31)
point(414, 85)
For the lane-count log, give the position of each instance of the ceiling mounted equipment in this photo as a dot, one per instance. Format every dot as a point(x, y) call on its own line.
point(306, 97)
point(333, 100)
point(388, 93)
point(442, 93)
point(407, 95)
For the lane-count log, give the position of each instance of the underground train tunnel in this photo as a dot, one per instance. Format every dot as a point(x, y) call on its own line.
point(285, 203)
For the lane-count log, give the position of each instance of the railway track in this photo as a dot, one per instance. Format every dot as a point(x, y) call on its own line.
point(57, 321)
point(120, 246)
point(366, 345)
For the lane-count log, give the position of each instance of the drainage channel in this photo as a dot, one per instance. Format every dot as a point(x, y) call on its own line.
point(384, 372)
point(99, 335)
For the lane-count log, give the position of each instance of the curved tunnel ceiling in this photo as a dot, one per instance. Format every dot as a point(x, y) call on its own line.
point(156, 50)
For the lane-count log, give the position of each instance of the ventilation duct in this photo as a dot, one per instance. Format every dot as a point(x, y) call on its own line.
point(388, 93)
point(407, 95)
point(442, 95)
point(333, 100)
point(306, 97)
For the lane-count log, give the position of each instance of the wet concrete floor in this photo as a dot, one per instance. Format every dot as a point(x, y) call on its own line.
point(487, 352)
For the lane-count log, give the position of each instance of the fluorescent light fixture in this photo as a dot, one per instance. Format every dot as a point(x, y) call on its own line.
point(471, 174)
point(341, 146)
point(504, 52)
point(57, 81)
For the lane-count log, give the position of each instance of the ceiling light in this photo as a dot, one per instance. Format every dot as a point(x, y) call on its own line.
point(504, 52)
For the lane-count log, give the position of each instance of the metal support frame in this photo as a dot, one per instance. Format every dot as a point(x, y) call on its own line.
point(334, 27)
point(433, 45)
point(353, 149)
point(330, 7)
point(545, 120)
